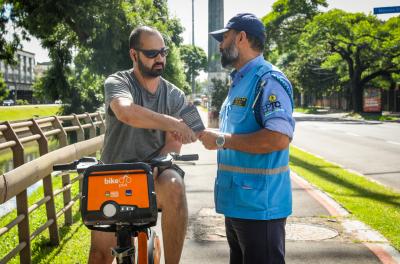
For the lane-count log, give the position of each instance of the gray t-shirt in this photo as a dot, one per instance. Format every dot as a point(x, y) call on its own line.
point(123, 142)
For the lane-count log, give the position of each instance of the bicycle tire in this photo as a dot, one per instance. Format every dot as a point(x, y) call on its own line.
point(148, 248)
point(154, 248)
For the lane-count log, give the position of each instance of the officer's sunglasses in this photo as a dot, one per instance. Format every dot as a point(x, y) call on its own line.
point(154, 53)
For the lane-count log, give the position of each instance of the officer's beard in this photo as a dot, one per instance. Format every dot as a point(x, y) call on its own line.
point(151, 72)
point(229, 55)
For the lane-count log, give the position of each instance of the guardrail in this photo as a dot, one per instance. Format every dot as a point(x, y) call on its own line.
point(16, 182)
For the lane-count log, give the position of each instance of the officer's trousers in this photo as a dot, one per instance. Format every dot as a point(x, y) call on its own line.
point(256, 241)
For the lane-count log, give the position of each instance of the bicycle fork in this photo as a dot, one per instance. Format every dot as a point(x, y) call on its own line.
point(125, 251)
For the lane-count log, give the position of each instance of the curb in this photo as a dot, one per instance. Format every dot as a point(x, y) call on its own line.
point(372, 239)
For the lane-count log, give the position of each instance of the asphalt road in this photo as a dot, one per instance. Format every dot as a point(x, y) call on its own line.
point(371, 148)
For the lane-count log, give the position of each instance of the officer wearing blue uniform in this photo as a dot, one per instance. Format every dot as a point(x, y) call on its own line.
point(252, 188)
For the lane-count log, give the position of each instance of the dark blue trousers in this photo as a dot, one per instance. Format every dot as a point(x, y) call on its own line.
point(256, 241)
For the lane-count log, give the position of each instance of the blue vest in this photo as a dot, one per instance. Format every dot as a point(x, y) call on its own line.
point(250, 186)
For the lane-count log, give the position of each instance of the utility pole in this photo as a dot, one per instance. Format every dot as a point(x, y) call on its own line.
point(191, 70)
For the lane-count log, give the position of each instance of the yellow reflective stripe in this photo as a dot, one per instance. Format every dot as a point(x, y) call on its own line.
point(252, 170)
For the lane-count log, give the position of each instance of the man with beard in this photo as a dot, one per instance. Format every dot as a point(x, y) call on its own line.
point(252, 188)
point(142, 111)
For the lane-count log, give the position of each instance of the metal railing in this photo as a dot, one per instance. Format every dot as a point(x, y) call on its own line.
point(16, 182)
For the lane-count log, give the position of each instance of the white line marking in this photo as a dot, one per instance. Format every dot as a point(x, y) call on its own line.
point(352, 134)
point(393, 142)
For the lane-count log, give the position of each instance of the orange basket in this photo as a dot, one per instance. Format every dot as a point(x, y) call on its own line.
point(118, 194)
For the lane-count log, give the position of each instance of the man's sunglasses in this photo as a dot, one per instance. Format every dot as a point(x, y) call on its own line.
point(154, 53)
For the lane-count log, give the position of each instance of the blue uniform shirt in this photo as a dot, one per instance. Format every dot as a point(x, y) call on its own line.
point(275, 107)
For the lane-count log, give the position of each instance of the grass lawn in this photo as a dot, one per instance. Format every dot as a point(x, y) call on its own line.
point(307, 110)
point(11, 113)
point(364, 116)
point(74, 239)
point(371, 203)
point(374, 116)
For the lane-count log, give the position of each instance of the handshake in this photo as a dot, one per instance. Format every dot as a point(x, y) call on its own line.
point(208, 137)
point(191, 128)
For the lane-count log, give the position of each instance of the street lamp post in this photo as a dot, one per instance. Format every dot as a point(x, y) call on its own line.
point(191, 71)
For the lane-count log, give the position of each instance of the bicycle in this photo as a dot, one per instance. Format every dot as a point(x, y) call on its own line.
point(120, 198)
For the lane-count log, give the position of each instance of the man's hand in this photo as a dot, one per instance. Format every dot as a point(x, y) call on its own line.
point(208, 138)
point(185, 133)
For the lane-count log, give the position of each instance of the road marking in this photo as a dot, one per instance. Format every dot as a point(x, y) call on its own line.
point(393, 142)
point(352, 134)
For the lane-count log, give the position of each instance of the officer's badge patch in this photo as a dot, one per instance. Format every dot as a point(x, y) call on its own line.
point(240, 101)
point(272, 106)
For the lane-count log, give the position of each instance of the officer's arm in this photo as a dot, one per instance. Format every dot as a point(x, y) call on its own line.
point(262, 141)
point(275, 114)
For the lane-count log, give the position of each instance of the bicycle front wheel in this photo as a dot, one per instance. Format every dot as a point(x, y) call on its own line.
point(149, 249)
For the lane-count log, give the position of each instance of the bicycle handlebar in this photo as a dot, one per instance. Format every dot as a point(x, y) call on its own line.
point(161, 161)
point(186, 157)
point(66, 166)
point(78, 165)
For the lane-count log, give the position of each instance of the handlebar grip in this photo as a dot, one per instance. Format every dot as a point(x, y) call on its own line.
point(187, 157)
point(65, 167)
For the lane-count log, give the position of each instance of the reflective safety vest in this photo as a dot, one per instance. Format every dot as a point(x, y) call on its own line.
point(250, 186)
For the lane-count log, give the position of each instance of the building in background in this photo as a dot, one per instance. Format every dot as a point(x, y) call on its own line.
point(19, 78)
point(215, 22)
point(41, 68)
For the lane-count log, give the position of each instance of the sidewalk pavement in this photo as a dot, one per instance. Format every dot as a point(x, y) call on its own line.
point(318, 231)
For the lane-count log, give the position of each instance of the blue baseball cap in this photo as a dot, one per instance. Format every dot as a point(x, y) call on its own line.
point(246, 22)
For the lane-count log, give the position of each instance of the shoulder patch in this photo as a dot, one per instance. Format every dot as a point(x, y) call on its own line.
point(273, 105)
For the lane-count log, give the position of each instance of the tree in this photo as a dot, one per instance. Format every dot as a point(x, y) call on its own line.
point(286, 22)
point(8, 46)
point(219, 92)
point(96, 30)
point(3, 89)
point(284, 26)
point(195, 60)
point(359, 47)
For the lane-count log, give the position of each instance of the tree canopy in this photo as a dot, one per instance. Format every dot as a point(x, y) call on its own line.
point(195, 60)
point(358, 47)
point(285, 23)
point(332, 51)
point(95, 33)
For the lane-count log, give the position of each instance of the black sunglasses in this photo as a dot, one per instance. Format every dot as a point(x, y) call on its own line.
point(154, 53)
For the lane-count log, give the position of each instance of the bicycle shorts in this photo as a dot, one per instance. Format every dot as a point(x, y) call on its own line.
point(175, 168)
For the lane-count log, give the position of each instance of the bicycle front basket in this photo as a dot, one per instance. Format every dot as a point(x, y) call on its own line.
point(121, 193)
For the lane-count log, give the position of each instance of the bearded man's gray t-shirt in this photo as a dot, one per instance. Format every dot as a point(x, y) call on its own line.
point(123, 142)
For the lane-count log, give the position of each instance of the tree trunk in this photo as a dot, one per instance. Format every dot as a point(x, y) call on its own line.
point(356, 87)
point(357, 99)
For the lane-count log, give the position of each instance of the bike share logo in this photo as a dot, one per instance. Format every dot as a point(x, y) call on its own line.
point(121, 181)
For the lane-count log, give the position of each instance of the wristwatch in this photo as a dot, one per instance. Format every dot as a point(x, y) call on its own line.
point(220, 141)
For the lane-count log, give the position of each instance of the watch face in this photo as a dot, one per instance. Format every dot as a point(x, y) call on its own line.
point(220, 141)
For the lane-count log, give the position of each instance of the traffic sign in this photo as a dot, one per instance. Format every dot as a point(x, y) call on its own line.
point(386, 10)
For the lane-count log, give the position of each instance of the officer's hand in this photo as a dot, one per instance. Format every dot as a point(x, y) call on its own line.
point(208, 138)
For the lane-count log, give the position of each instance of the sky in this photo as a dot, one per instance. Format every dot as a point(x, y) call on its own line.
point(183, 10)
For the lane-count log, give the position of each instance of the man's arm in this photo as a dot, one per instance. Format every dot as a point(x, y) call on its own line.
point(262, 141)
point(137, 116)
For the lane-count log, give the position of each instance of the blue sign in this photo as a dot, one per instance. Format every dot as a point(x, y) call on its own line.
point(386, 10)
